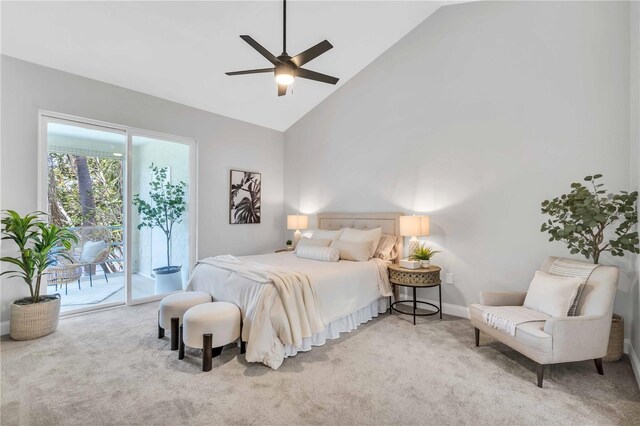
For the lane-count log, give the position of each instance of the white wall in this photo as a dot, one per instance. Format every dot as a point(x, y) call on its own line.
point(475, 117)
point(634, 121)
point(223, 144)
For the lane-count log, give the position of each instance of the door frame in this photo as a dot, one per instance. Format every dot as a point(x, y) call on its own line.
point(45, 116)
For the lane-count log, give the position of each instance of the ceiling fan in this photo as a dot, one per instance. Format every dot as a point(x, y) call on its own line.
point(286, 68)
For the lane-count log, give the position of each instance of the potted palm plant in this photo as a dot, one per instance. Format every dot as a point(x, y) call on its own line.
point(165, 209)
point(424, 255)
point(39, 245)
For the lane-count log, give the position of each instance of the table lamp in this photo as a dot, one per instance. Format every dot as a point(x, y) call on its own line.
point(414, 226)
point(297, 222)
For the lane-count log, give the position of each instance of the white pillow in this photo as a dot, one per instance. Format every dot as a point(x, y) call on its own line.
point(323, 254)
point(551, 294)
point(311, 242)
point(386, 249)
point(323, 234)
point(90, 250)
point(358, 235)
point(356, 251)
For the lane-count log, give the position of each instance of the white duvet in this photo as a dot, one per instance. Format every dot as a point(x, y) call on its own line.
point(339, 289)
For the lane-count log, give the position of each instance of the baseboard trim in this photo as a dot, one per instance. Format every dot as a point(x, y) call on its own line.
point(4, 328)
point(448, 308)
point(633, 357)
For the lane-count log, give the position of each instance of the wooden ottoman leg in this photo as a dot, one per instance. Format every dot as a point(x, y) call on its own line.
point(243, 348)
point(175, 324)
point(160, 329)
point(181, 345)
point(477, 336)
point(207, 341)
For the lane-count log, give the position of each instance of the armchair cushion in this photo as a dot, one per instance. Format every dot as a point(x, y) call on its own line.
point(90, 251)
point(529, 334)
point(552, 294)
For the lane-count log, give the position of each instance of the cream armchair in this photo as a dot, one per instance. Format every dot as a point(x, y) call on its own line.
point(565, 339)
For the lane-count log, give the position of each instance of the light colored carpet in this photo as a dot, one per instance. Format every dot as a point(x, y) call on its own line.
point(109, 368)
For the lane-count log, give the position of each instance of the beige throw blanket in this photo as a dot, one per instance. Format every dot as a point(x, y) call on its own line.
point(293, 291)
point(507, 318)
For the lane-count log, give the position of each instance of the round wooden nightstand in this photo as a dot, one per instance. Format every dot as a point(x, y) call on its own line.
point(415, 278)
point(284, 250)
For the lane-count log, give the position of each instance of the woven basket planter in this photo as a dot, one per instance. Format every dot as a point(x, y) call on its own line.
point(616, 339)
point(34, 320)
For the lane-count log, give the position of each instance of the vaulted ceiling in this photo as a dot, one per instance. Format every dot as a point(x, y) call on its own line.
point(180, 50)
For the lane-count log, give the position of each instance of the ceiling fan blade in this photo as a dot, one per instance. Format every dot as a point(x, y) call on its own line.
point(311, 53)
point(250, 71)
point(282, 89)
point(264, 52)
point(312, 75)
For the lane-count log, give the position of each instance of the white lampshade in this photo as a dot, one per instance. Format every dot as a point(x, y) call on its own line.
point(410, 226)
point(424, 226)
point(297, 221)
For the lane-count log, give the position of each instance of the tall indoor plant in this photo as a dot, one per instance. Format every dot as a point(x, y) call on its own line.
point(165, 209)
point(39, 245)
point(584, 219)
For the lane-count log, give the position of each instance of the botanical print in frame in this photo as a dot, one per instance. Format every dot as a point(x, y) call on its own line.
point(245, 197)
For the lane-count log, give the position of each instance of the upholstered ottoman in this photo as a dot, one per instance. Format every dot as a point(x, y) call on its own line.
point(209, 327)
point(173, 307)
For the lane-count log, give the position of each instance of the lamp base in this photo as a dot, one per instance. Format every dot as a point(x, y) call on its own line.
point(414, 244)
point(296, 238)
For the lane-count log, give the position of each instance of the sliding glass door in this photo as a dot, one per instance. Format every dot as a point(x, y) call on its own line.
point(160, 186)
point(129, 196)
point(85, 190)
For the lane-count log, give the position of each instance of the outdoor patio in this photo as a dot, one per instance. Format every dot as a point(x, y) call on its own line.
point(102, 292)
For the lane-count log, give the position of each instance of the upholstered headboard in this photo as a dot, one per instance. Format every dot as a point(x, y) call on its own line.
point(389, 222)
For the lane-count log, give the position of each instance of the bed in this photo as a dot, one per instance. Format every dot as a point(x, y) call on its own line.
point(337, 297)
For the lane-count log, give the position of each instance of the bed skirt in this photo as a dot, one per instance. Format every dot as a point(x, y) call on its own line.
point(341, 325)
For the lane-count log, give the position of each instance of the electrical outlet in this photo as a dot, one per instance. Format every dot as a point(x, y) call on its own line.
point(449, 278)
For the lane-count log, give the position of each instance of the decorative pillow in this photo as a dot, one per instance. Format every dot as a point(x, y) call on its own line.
point(323, 254)
point(312, 242)
point(356, 251)
point(323, 234)
point(387, 249)
point(359, 235)
point(551, 294)
point(90, 250)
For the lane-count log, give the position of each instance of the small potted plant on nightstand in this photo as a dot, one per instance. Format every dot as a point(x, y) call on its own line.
point(289, 244)
point(424, 255)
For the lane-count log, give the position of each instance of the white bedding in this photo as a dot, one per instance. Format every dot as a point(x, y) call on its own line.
point(341, 288)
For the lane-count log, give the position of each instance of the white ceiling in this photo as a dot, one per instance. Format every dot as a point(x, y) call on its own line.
point(180, 50)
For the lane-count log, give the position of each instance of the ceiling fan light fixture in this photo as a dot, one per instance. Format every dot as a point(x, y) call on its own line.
point(284, 75)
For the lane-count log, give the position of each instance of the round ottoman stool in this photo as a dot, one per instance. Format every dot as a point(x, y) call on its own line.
point(209, 327)
point(173, 307)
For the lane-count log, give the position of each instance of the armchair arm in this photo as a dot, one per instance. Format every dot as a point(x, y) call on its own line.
point(502, 298)
point(579, 338)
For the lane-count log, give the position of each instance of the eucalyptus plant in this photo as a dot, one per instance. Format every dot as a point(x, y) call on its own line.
point(39, 244)
point(167, 205)
point(583, 218)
